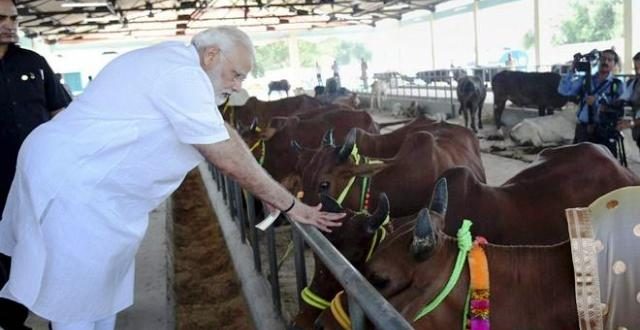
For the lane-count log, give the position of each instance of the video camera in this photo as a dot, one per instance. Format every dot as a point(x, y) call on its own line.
point(588, 63)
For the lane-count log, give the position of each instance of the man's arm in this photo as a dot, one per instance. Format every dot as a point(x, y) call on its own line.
point(233, 158)
point(570, 85)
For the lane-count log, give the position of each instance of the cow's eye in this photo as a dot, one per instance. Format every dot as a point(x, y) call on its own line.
point(378, 282)
point(324, 186)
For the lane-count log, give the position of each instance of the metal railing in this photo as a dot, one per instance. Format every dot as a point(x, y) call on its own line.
point(364, 300)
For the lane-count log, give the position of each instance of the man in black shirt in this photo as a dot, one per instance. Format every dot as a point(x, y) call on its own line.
point(29, 96)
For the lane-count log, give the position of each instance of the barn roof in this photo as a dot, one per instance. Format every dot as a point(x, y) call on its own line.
point(116, 19)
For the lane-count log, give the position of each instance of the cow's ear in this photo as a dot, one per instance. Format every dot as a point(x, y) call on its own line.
point(367, 169)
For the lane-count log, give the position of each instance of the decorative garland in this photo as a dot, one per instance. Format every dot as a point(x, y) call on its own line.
point(478, 309)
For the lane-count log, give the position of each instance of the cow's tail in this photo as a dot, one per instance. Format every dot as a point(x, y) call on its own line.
point(393, 123)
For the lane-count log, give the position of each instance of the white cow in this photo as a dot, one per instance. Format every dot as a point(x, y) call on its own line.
point(379, 90)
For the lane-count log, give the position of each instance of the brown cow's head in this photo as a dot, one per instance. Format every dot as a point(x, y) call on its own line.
point(354, 239)
point(392, 268)
point(331, 168)
point(253, 134)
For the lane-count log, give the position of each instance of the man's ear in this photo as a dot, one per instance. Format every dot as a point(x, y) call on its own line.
point(210, 56)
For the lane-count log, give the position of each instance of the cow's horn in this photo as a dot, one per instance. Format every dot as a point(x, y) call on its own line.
point(329, 204)
point(380, 214)
point(347, 147)
point(254, 125)
point(440, 197)
point(296, 146)
point(424, 239)
point(327, 139)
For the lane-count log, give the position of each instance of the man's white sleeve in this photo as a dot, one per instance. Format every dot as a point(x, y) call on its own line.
point(186, 98)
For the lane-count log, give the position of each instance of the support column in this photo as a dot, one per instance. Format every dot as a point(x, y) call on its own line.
point(631, 23)
point(294, 57)
point(475, 32)
point(433, 42)
point(536, 32)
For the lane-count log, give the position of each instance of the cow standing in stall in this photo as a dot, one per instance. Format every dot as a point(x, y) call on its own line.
point(526, 89)
point(279, 86)
point(263, 111)
point(410, 174)
point(471, 93)
point(379, 90)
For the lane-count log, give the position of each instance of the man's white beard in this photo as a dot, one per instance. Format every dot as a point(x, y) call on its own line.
point(216, 81)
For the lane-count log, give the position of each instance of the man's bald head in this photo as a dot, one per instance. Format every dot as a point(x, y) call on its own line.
point(8, 22)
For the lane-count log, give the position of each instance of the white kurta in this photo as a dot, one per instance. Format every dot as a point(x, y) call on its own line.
point(86, 181)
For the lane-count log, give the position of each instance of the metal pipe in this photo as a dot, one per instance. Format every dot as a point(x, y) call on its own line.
point(356, 314)
point(379, 310)
point(298, 258)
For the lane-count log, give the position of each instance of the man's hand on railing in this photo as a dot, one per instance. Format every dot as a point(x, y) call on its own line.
point(313, 216)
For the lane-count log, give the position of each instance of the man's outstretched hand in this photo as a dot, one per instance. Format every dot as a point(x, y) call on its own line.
point(313, 216)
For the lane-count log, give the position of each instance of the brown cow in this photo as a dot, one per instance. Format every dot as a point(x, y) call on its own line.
point(264, 111)
point(355, 226)
point(275, 141)
point(529, 207)
point(407, 269)
point(532, 287)
point(423, 156)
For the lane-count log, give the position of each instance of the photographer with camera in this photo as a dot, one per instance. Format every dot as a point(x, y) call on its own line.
point(631, 97)
point(598, 92)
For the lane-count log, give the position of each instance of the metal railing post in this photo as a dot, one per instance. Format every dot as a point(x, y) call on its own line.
point(301, 271)
point(253, 233)
point(240, 212)
point(273, 269)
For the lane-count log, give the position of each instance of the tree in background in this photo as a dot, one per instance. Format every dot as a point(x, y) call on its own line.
point(275, 55)
point(593, 20)
point(528, 40)
point(347, 51)
point(271, 57)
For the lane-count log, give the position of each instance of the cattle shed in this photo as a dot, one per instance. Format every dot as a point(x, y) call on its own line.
point(78, 37)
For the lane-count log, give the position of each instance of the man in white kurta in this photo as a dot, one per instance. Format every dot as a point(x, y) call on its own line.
point(86, 181)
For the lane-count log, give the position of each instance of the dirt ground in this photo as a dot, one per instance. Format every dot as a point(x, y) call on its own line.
point(208, 294)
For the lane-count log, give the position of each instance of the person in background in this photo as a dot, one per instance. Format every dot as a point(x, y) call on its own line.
point(30, 94)
point(605, 92)
point(318, 74)
point(631, 96)
point(363, 75)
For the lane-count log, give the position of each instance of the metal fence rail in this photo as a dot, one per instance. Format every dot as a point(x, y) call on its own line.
point(364, 300)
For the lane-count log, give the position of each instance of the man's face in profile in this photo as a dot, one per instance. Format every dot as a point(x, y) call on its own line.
point(8, 22)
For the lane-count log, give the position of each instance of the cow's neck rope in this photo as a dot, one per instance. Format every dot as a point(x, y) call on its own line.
point(263, 151)
point(464, 245)
point(365, 196)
